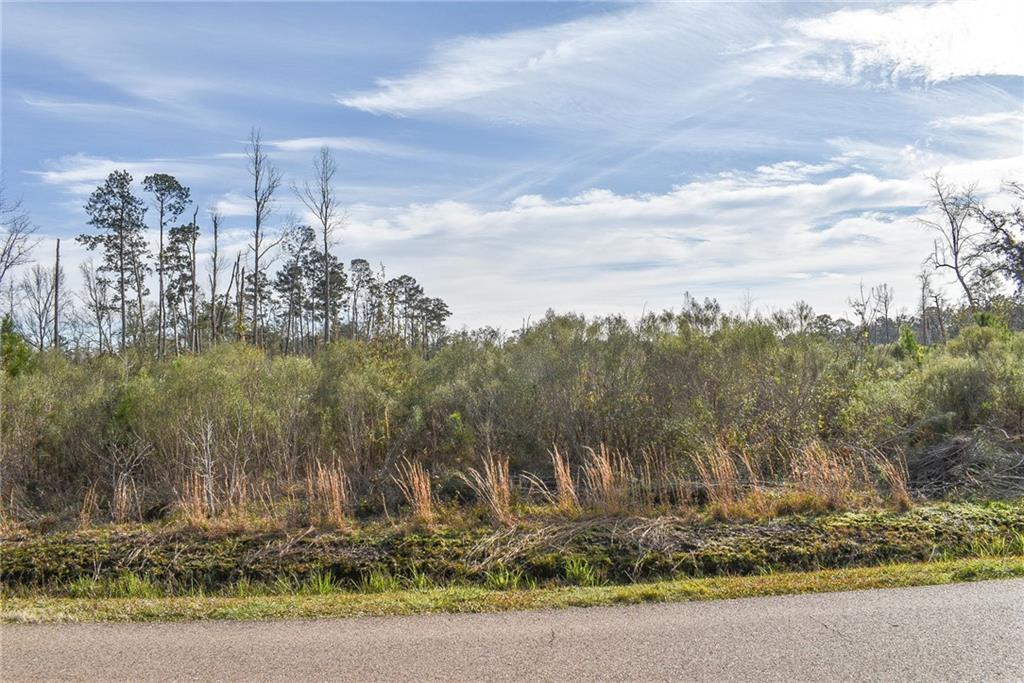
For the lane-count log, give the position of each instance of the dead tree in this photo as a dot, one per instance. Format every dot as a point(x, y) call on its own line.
point(319, 197)
point(957, 246)
point(265, 181)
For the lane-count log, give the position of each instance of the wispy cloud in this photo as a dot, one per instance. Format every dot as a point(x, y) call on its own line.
point(595, 70)
point(348, 144)
point(79, 174)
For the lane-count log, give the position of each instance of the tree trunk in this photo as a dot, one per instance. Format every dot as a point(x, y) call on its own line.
point(56, 299)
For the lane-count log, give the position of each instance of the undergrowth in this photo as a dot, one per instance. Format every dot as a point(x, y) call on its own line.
point(127, 561)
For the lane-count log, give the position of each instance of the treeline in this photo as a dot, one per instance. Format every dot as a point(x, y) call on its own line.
point(139, 437)
point(310, 299)
point(682, 407)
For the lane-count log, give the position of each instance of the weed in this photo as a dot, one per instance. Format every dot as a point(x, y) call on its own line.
point(418, 580)
point(565, 488)
point(608, 478)
point(503, 579)
point(579, 572)
point(319, 583)
point(379, 581)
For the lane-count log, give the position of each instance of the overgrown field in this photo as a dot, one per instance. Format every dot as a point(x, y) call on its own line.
point(748, 418)
point(136, 561)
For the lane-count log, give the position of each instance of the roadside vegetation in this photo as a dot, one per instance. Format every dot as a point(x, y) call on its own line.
point(355, 444)
point(735, 419)
point(141, 605)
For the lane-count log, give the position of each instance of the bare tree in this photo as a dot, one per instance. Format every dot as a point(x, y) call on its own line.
point(883, 296)
point(96, 297)
point(926, 288)
point(265, 181)
point(16, 234)
point(37, 296)
point(864, 310)
point(216, 263)
point(957, 247)
point(319, 197)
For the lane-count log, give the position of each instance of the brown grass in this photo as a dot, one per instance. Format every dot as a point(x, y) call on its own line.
point(192, 500)
point(839, 478)
point(126, 500)
point(718, 475)
point(608, 476)
point(413, 481)
point(327, 495)
point(492, 485)
point(894, 473)
point(90, 506)
point(566, 498)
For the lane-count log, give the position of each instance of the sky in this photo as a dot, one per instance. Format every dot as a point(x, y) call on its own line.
point(597, 158)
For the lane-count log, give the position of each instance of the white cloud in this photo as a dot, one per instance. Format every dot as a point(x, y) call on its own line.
point(987, 121)
point(598, 70)
point(79, 174)
point(348, 144)
point(232, 204)
point(600, 251)
point(935, 41)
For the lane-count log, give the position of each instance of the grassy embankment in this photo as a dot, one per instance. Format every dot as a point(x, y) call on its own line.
point(140, 573)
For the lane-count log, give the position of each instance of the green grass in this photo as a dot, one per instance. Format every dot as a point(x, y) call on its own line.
point(578, 552)
point(308, 602)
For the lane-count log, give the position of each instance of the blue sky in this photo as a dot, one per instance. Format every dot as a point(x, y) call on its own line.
point(515, 157)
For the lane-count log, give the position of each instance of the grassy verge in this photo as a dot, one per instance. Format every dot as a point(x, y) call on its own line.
point(124, 562)
point(476, 599)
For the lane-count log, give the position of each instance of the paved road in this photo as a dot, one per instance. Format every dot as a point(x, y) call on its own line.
point(964, 632)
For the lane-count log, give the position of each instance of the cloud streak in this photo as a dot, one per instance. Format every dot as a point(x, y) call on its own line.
point(347, 144)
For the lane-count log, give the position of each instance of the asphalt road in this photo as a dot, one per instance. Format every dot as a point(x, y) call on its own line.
point(956, 633)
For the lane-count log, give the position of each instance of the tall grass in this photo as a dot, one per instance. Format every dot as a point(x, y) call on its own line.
point(896, 477)
point(835, 477)
point(327, 494)
point(566, 498)
point(718, 475)
point(193, 499)
point(413, 481)
point(492, 485)
point(126, 500)
point(90, 507)
point(608, 477)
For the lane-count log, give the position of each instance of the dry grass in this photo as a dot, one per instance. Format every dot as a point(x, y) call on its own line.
point(718, 475)
point(90, 507)
point(327, 495)
point(492, 485)
point(894, 473)
point(566, 498)
point(839, 479)
point(413, 481)
point(126, 500)
point(659, 482)
point(192, 501)
point(608, 476)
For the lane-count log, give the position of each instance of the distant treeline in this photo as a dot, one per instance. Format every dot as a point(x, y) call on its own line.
point(308, 300)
